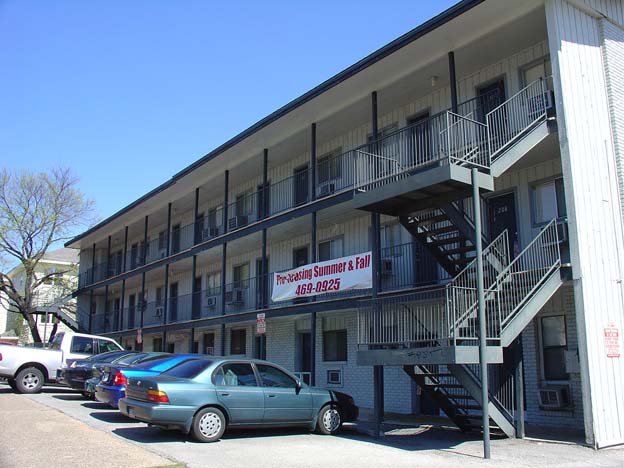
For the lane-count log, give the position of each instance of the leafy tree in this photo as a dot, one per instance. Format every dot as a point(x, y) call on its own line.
point(37, 211)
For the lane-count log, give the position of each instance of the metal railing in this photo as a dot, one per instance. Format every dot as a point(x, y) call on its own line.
point(514, 116)
point(501, 387)
point(406, 266)
point(464, 141)
point(448, 315)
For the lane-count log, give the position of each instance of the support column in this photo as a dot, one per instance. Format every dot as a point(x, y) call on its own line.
point(169, 229)
point(125, 254)
point(519, 386)
point(378, 375)
point(453, 79)
point(196, 229)
point(108, 254)
point(93, 265)
point(226, 188)
point(264, 278)
point(265, 181)
point(476, 199)
point(164, 341)
point(166, 299)
point(313, 259)
point(106, 310)
point(223, 270)
point(312, 178)
point(191, 340)
point(144, 253)
point(90, 311)
point(121, 305)
point(143, 301)
point(194, 301)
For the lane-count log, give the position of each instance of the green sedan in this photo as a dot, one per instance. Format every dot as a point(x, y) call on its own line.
point(204, 396)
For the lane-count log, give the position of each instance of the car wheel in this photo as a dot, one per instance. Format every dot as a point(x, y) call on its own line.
point(29, 380)
point(208, 425)
point(329, 420)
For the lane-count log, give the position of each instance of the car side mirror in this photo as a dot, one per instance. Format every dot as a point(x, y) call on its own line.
point(298, 387)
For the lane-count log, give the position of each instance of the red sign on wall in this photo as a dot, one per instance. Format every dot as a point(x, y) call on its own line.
point(612, 340)
point(260, 324)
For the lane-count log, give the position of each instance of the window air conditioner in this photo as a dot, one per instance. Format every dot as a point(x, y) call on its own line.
point(326, 188)
point(386, 267)
point(211, 301)
point(159, 311)
point(562, 231)
point(237, 222)
point(553, 397)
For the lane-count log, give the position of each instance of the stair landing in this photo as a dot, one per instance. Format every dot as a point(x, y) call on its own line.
point(428, 355)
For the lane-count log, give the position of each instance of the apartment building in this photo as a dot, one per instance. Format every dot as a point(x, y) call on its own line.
point(518, 103)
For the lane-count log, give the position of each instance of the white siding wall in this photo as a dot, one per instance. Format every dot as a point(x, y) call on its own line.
point(597, 245)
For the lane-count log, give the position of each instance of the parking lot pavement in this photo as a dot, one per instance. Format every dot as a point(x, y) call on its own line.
point(422, 447)
point(36, 436)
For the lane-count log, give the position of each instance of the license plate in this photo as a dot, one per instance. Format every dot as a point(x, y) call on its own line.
point(131, 412)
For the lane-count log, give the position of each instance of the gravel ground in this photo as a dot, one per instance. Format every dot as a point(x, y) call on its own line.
point(422, 446)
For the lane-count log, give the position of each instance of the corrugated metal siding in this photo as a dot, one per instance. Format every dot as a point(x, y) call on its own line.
point(596, 241)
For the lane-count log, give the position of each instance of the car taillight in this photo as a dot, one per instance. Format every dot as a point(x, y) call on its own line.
point(157, 396)
point(120, 379)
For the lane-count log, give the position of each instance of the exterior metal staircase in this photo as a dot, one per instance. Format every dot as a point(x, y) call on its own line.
point(51, 304)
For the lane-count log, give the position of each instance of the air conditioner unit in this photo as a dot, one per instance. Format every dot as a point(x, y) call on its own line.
point(326, 188)
point(160, 310)
point(237, 222)
point(211, 301)
point(553, 397)
point(235, 296)
point(386, 267)
point(562, 231)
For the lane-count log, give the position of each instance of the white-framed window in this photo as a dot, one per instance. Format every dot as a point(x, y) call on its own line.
point(330, 249)
point(329, 166)
point(241, 275)
point(335, 346)
point(541, 68)
point(213, 283)
point(553, 345)
point(548, 201)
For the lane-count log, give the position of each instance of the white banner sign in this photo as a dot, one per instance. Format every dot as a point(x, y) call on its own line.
point(340, 274)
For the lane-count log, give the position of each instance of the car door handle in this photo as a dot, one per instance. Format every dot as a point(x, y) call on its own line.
point(225, 394)
point(271, 395)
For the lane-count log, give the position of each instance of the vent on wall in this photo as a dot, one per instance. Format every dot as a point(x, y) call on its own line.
point(554, 397)
point(334, 377)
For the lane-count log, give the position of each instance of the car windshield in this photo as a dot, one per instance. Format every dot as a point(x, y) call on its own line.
point(189, 369)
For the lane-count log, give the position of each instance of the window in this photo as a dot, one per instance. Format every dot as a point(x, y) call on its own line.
point(548, 201)
point(243, 204)
point(541, 69)
point(213, 284)
point(104, 346)
point(335, 345)
point(391, 236)
point(241, 276)
point(272, 377)
point(189, 369)
point(330, 249)
point(162, 240)
point(235, 375)
point(159, 297)
point(329, 167)
point(554, 343)
point(238, 341)
point(82, 344)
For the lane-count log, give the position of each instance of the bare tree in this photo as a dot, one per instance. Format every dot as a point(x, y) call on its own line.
point(37, 211)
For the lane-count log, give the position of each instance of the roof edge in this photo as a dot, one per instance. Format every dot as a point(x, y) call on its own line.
point(419, 31)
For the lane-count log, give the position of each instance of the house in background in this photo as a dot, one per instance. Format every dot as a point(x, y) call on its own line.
point(516, 102)
point(52, 299)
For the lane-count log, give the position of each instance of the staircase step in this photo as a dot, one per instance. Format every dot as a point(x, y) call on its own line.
point(449, 240)
point(442, 230)
point(432, 220)
point(468, 248)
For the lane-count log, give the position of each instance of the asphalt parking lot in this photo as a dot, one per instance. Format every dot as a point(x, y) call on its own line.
point(419, 446)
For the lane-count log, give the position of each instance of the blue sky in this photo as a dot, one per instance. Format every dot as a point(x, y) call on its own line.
point(130, 92)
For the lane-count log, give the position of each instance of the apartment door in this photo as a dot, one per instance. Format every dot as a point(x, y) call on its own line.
point(301, 181)
point(304, 352)
point(197, 292)
point(490, 97)
point(419, 140)
point(131, 310)
point(502, 214)
point(175, 239)
point(173, 302)
point(199, 228)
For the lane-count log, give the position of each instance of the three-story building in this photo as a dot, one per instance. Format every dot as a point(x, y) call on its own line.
point(517, 102)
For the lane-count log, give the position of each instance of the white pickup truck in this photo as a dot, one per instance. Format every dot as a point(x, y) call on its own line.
point(27, 369)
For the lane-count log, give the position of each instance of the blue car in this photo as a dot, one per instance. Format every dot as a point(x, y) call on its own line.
point(112, 386)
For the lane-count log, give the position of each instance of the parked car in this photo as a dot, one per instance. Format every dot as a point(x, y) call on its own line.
point(77, 373)
point(125, 361)
point(204, 396)
point(27, 368)
point(112, 385)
